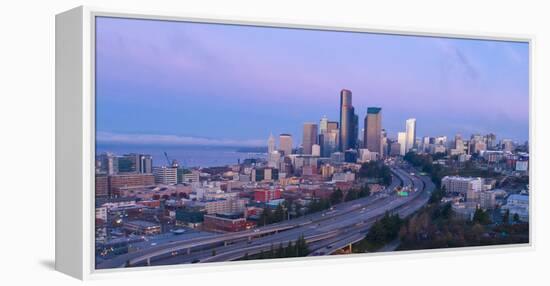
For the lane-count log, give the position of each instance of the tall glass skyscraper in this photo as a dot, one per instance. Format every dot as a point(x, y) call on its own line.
point(411, 134)
point(373, 130)
point(348, 122)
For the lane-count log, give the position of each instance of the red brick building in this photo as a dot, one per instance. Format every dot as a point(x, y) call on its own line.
point(117, 182)
point(266, 195)
point(101, 185)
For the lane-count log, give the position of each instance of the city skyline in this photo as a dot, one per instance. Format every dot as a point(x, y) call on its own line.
point(350, 126)
point(141, 65)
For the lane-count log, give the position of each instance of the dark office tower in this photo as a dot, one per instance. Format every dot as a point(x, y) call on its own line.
point(128, 163)
point(347, 118)
point(373, 129)
point(355, 137)
point(310, 137)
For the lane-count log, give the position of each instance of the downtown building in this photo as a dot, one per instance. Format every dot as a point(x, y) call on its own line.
point(372, 139)
point(328, 137)
point(402, 142)
point(410, 131)
point(166, 175)
point(349, 122)
point(309, 138)
point(467, 186)
point(135, 163)
point(118, 184)
point(285, 144)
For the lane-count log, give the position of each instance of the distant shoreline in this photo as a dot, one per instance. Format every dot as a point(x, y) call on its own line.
point(186, 155)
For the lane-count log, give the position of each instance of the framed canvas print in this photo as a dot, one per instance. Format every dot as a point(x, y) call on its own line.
point(183, 141)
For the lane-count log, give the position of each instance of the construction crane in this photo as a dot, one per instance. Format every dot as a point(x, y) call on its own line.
point(167, 159)
point(174, 163)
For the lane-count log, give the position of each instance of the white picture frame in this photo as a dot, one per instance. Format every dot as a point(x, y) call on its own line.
point(75, 127)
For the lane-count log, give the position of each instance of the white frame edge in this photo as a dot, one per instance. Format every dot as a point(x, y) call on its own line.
point(75, 134)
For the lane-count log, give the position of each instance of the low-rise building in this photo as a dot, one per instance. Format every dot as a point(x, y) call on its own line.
point(192, 177)
point(166, 175)
point(518, 204)
point(141, 227)
point(266, 195)
point(343, 177)
point(461, 185)
point(487, 200)
point(226, 223)
point(229, 205)
point(124, 181)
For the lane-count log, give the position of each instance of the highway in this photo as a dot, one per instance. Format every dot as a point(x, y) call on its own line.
point(324, 231)
point(340, 231)
point(358, 232)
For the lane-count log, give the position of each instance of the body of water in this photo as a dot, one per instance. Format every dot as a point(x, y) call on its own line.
point(187, 156)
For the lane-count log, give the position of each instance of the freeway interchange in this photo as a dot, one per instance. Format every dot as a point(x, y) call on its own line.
point(325, 232)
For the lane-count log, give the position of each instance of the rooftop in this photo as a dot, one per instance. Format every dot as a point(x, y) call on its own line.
point(373, 110)
point(519, 197)
point(461, 178)
point(142, 223)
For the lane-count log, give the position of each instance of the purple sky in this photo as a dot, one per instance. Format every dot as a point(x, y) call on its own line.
point(162, 82)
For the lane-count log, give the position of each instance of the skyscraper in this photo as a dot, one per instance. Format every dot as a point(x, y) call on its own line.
point(384, 143)
point(348, 122)
point(270, 144)
point(459, 144)
point(411, 134)
point(329, 143)
point(355, 135)
point(402, 140)
point(285, 143)
point(323, 125)
point(146, 164)
point(309, 137)
point(373, 130)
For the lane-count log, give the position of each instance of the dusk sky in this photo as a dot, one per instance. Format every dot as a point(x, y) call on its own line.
point(163, 82)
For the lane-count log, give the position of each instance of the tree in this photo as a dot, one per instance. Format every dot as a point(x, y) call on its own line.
point(301, 247)
point(266, 217)
point(481, 217)
point(385, 230)
point(351, 195)
point(288, 249)
point(516, 218)
point(280, 251)
point(377, 234)
point(506, 217)
point(279, 214)
point(437, 195)
point(375, 170)
point(318, 205)
point(336, 196)
point(364, 191)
